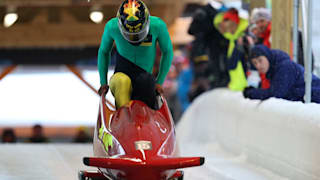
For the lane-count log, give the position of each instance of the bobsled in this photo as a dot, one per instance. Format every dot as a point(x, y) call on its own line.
point(136, 142)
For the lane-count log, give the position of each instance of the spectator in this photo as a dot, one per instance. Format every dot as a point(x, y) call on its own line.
point(9, 136)
point(82, 136)
point(233, 27)
point(184, 84)
point(193, 81)
point(255, 32)
point(38, 135)
point(200, 84)
point(262, 18)
point(180, 61)
point(286, 77)
point(210, 42)
point(246, 43)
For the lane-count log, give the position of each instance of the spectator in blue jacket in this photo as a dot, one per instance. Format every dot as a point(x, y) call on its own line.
point(185, 79)
point(286, 77)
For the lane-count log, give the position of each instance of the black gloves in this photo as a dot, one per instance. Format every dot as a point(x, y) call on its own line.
point(246, 91)
point(102, 89)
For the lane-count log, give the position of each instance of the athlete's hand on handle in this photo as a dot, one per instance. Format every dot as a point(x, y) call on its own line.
point(159, 89)
point(103, 89)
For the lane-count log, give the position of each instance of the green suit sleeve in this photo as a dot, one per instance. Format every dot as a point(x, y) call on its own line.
point(167, 52)
point(104, 54)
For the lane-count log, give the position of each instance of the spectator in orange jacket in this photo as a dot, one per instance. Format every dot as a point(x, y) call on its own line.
point(262, 18)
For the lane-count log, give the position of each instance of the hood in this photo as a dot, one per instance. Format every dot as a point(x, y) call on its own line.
point(274, 56)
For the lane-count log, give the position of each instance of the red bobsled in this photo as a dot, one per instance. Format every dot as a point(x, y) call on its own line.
point(136, 143)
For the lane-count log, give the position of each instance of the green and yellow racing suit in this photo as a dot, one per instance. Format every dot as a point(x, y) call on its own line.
point(143, 55)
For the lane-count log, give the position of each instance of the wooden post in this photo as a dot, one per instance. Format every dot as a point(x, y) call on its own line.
point(281, 30)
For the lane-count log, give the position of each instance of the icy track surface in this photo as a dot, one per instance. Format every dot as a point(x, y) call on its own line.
point(42, 161)
point(63, 161)
point(221, 165)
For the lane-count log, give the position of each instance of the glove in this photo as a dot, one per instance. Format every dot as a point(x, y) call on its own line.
point(246, 91)
point(102, 89)
point(159, 89)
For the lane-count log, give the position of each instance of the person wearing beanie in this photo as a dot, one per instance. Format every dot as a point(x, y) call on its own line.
point(286, 77)
point(260, 13)
point(232, 27)
point(262, 18)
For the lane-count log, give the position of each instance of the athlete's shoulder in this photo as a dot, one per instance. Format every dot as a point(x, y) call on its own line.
point(112, 24)
point(156, 21)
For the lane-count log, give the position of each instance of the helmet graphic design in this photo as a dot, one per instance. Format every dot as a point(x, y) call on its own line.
point(133, 20)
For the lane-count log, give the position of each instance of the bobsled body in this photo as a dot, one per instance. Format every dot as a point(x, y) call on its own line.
point(137, 142)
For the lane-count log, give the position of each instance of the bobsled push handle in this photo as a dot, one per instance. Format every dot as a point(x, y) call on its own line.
point(104, 101)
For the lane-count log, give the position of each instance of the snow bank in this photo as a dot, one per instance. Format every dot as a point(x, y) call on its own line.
point(275, 136)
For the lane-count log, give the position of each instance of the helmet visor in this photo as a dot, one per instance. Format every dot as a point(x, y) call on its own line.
point(134, 37)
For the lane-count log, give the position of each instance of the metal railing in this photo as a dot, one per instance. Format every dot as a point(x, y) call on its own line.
point(306, 11)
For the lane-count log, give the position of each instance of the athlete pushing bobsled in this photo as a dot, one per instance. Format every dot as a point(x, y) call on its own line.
point(135, 34)
point(137, 141)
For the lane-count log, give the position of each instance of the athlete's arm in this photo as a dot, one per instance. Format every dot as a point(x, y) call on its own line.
point(167, 52)
point(104, 54)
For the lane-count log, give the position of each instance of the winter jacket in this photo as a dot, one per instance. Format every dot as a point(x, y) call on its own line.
point(266, 36)
point(234, 59)
point(184, 83)
point(209, 41)
point(286, 78)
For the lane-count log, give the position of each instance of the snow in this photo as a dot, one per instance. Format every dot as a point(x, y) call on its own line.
point(251, 139)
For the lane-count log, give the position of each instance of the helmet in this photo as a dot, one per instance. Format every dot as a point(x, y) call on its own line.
point(133, 20)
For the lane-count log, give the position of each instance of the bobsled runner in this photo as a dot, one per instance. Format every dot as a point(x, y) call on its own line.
point(136, 142)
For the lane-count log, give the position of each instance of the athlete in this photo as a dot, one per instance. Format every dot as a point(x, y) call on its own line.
point(135, 34)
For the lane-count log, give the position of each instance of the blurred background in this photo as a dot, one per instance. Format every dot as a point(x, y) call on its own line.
point(48, 59)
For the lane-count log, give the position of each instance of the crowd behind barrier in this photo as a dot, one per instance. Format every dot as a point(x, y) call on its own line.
point(222, 52)
point(39, 134)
